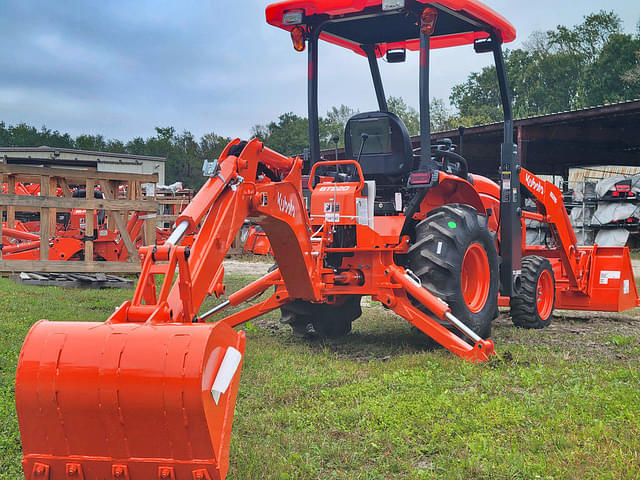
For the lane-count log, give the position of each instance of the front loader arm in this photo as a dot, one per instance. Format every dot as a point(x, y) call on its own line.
point(548, 198)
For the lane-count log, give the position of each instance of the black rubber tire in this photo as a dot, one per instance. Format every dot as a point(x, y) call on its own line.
point(436, 256)
point(524, 309)
point(297, 314)
point(325, 320)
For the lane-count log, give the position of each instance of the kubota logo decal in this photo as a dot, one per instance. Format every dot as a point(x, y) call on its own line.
point(534, 184)
point(285, 205)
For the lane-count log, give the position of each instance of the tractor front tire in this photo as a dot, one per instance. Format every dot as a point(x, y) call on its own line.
point(328, 321)
point(455, 257)
point(533, 306)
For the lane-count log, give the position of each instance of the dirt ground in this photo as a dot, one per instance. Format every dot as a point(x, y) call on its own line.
point(240, 267)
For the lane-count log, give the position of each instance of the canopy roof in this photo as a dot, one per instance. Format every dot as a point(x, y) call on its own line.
point(352, 23)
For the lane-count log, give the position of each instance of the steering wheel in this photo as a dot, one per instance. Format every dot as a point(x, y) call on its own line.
point(446, 156)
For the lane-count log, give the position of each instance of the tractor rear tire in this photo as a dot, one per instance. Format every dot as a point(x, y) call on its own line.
point(533, 306)
point(325, 320)
point(455, 257)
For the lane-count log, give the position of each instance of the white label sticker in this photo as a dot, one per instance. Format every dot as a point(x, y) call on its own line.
point(392, 4)
point(625, 287)
point(606, 275)
point(362, 211)
point(227, 370)
point(439, 248)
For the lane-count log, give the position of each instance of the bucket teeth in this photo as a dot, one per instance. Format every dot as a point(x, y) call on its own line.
point(201, 474)
point(40, 471)
point(74, 471)
point(166, 473)
point(120, 472)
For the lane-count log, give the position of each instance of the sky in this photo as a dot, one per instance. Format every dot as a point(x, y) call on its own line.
point(120, 68)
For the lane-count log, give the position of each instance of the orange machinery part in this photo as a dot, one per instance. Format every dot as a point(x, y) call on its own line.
point(134, 396)
point(587, 277)
point(257, 242)
point(100, 397)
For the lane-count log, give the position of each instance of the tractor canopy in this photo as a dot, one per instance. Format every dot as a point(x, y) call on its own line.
point(387, 23)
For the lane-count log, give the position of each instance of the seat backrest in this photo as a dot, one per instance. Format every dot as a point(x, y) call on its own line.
point(387, 155)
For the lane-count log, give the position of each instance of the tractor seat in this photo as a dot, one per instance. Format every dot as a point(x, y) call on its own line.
point(387, 156)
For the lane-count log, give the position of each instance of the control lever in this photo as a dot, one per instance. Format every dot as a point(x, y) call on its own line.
point(335, 140)
point(364, 137)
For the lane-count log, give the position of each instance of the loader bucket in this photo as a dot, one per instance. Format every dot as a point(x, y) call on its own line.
point(611, 286)
point(127, 401)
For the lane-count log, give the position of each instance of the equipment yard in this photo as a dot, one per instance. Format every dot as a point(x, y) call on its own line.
point(560, 402)
point(390, 266)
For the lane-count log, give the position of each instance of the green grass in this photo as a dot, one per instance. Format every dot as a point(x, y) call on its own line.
point(559, 403)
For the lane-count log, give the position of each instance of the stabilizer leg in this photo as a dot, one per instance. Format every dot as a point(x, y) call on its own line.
point(481, 349)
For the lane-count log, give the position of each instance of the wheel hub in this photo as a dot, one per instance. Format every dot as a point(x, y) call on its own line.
point(475, 277)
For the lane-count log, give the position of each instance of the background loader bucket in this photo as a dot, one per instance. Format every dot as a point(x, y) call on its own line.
point(612, 286)
point(127, 401)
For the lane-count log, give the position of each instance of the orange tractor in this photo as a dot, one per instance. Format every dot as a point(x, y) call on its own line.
point(150, 393)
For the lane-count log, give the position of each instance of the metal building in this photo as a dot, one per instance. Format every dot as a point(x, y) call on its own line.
point(101, 161)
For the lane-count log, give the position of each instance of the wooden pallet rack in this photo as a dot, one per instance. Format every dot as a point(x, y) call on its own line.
point(47, 204)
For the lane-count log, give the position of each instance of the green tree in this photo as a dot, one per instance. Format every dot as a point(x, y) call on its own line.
point(94, 143)
point(557, 70)
point(23, 135)
point(211, 145)
point(604, 78)
point(441, 118)
point(588, 38)
point(632, 76)
point(333, 124)
point(289, 135)
point(184, 153)
point(407, 114)
point(478, 99)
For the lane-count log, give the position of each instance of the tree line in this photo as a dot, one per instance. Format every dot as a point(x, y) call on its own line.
point(184, 152)
point(567, 68)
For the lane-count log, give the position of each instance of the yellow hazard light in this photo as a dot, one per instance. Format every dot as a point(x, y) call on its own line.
point(428, 21)
point(297, 37)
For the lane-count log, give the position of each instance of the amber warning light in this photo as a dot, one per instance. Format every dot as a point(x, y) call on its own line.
point(297, 37)
point(428, 21)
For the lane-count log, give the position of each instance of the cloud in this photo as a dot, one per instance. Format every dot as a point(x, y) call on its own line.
point(121, 68)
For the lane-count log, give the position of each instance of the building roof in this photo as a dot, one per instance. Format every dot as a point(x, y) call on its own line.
point(53, 151)
point(553, 143)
